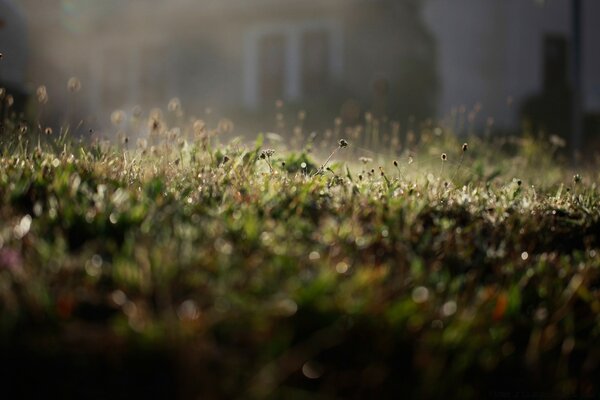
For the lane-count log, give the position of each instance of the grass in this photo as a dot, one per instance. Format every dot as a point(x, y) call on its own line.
point(178, 267)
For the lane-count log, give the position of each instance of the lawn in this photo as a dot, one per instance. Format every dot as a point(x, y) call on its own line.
point(184, 265)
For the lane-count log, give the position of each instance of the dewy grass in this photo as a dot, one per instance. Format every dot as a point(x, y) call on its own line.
point(231, 283)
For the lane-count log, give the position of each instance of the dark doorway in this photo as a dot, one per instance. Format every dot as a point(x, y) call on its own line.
point(272, 71)
point(315, 62)
point(555, 62)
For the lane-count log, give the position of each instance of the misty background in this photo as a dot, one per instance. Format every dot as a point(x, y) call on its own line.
point(497, 65)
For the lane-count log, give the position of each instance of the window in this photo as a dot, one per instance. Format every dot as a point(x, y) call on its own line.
point(291, 60)
point(272, 71)
point(315, 62)
point(555, 62)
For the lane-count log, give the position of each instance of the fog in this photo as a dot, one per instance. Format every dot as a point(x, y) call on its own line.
point(494, 62)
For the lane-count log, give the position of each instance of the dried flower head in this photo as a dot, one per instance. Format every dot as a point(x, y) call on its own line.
point(198, 127)
point(343, 143)
point(117, 117)
point(136, 111)
point(365, 160)
point(48, 131)
point(42, 94)
point(557, 141)
point(74, 85)
point(444, 157)
point(174, 105)
point(465, 146)
point(395, 163)
point(267, 153)
point(225, 125)
point(577, 178)
point(154, 124)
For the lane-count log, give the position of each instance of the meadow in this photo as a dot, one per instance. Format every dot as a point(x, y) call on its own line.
point(172, 262)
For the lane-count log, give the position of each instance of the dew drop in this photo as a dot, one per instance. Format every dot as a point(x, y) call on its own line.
point(420, 294)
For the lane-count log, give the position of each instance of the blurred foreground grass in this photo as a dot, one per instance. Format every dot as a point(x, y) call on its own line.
point(180, 267)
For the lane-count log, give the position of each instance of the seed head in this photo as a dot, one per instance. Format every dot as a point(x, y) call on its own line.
point(365, 160)
point(267, 153)
point(174, 105)
point(465, 147)
point(42, 94)
point(396, 163)
point(199, 127)
point(444, 157)
point(577, 178)
point(117, 117)
point(74, 85)
point(154, 124)
point(225, 159)
point(48, 131)
point(225, 125)
point(343, 143)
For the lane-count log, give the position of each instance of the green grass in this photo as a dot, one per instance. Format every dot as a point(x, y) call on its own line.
point(198, 268)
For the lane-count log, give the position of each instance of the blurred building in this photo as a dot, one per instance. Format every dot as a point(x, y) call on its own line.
point(14, 49)
point(513, 57)
point(393, 57)
point(238, 54)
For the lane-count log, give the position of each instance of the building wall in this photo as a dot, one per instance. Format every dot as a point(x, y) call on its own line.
point(591, 68)
point(13, 45)
point(461, 52)
point(491, 52)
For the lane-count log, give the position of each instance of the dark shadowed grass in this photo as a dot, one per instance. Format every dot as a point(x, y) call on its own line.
point(177, 267)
